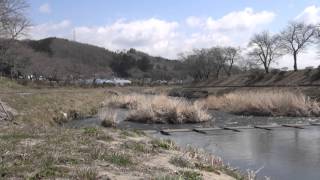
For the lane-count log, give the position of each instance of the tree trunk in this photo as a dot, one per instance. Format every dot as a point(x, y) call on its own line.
point(266, 68)
point(229, 70)
point(295, 61)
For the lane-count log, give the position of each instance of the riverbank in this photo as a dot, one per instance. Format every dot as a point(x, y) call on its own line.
point(100, 153)
point(33, 144)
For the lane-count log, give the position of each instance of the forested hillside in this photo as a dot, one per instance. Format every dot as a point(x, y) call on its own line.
point(61, 59)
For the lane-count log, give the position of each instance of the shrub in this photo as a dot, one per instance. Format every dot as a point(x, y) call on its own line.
point(74, 114)
point(267, 103)
point(316, 75)
point(125, 101)
point(163, 109)
point(108, 118)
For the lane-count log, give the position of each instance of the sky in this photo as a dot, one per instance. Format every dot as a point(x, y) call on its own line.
point(169, 27)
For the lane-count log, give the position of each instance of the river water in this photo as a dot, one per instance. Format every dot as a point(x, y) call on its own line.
point(282, 153)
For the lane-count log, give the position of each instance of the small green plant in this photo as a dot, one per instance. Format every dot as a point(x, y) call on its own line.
point(91, 131)
point(233, 173)
point(137, 146)
point(16, 136)
point(48, 169)
point(139, 132)
point(181, 161)
point(207, 168)
point(191, 175)
point(169, 177)
point(120, 159)
point(104, 137)
point(97, 153)
point(86, 173)
point(163, 144)
point(126, 133)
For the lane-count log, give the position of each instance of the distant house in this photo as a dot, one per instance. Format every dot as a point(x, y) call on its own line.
point(115, 81)
point(103, 81)
point(122, 82)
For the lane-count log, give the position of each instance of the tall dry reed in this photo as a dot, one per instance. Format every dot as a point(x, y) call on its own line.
point(268, 103)
point(160, 109)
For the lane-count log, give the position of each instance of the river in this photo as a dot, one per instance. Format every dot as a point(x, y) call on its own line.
point(282, 153)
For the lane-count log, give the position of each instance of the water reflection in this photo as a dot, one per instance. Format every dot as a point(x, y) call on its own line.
point(285, 153)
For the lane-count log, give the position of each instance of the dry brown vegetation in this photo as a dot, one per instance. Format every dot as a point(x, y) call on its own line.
point(108, 117)
point(92, 153)
point(267, 103)
point(57, 105)
point(160, 109)
point(32, 149)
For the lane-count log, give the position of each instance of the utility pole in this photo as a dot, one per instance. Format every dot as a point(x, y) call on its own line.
point(74, 34)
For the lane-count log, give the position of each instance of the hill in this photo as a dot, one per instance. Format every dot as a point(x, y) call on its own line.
point(61, 59)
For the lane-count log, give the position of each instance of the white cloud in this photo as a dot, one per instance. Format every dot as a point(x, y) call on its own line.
point(60, 29)
point(164, 38)
point(240, 20)
point(154, 36)
point(308, 58)
point(45, 8)
point(235, 28)
point(310, 15)
point(193, 21)
point(234, 21)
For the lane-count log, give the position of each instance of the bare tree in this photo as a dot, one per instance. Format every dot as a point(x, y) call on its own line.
point(202, 63)
point(13, 23)
point(218, 59)
point(265, 49)
point(197, 64)
point(231, 54)
point(296, 37)
point(13, 20)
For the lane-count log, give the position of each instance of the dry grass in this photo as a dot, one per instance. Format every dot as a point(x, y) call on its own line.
point(51, 107)
point(131, 101)
point(160, 109)
point(108, 117)
point(36, 152)
point(267, 103)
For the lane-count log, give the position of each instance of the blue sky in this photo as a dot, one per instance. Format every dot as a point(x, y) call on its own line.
point(166, 27)
point(95, 12)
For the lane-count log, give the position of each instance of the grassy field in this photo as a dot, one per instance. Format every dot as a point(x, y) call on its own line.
point(34, 146)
